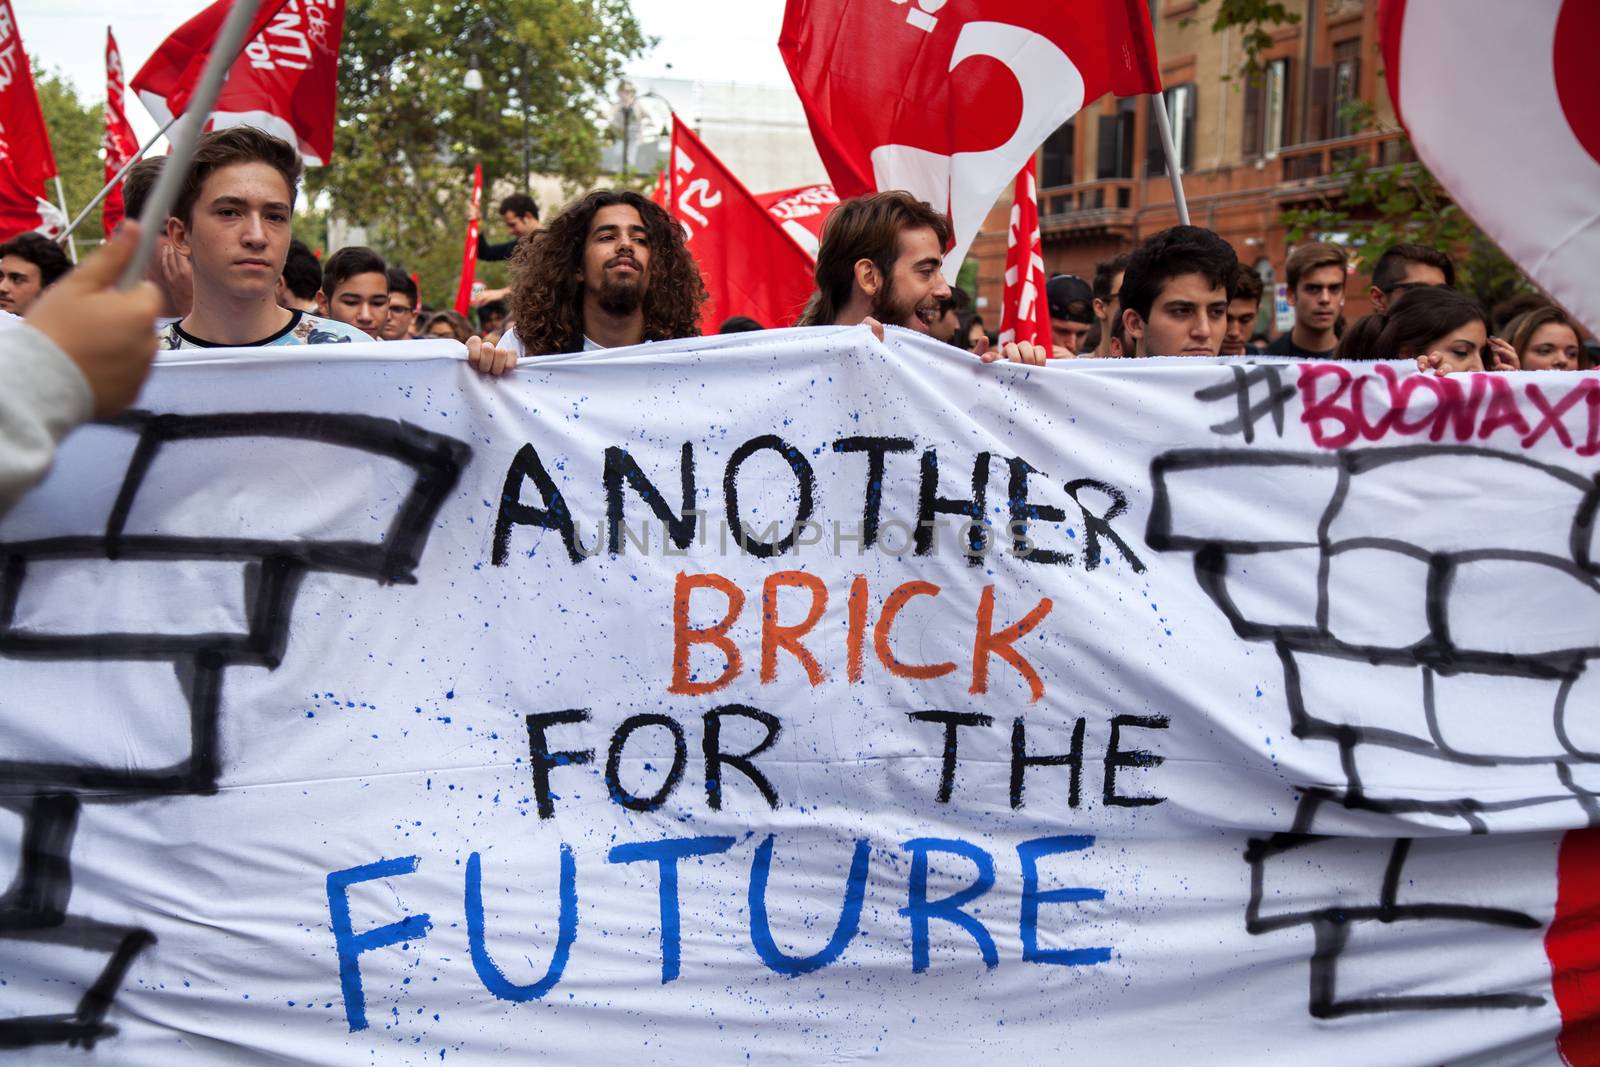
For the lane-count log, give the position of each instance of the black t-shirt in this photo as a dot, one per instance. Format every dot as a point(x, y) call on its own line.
point(492, 252)
point(1285, 346)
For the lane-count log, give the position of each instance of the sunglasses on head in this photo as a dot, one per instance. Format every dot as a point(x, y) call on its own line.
point(1403, 287)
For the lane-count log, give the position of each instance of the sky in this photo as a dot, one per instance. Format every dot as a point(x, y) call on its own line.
point(710, 40)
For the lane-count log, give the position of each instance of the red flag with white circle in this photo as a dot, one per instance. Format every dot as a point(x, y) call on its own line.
point(1520, 150)
point(947, 99)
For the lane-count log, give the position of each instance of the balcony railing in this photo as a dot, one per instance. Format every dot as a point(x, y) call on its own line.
point(1108, 202)
point(1320, 161)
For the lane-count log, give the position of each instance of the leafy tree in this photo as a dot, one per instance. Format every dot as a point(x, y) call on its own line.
point(409, 131)
point(75, 135)
point(1378, 206)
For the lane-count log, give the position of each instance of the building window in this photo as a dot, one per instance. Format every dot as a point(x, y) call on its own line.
point(1116, 141)
point(1181, 115)
point(1059, 159)
point(1346, 86)
point(1266, 110)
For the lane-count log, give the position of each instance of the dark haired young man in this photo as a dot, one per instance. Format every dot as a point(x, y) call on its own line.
point(302, 278)
point(492, 317)
point(167, 269)
point(611, 270)
point(401, 311)
point(1107, 308)
point(521, 214)
point(1175, 293)
point(880, 262)
point(355, 289)
point(30, 263)
point(1316, 276)
point(1244, 304)
point(231, 221)
point(1071, 301)
point(1405, 267)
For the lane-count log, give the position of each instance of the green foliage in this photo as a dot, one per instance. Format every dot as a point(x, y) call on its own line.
point(76, 132)
point(1379, 206)
point(409, 132)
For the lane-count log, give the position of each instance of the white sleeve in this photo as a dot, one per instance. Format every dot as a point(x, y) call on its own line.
point(43, 395)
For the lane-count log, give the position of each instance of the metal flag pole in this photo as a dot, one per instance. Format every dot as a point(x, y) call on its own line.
point(61, 198)
point(123, 173)
point(153, 221)
point(1170, 150)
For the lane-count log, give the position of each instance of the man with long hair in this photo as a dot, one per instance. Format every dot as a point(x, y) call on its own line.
point(609, 271)
point(880, 263)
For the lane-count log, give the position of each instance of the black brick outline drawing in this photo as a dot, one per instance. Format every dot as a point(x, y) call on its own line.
point(1436, 655)
point(49, 795)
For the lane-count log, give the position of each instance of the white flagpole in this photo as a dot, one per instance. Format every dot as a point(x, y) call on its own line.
point(112, 184)
point(1174, 171)
point(61, 198)
point(153, 222)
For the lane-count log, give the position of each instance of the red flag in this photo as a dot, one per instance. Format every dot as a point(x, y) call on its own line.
point(801, 212)
point(26, 161)
point(1480, 135)
point(662, 194)
point(469, 254)
point(943, 101)
point(120, 144)
point(1024, 311)
point(284, 82)
point(750, 266)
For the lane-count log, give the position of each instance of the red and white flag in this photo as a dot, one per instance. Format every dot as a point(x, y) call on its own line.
point(749, 264)
point(469, 254)
point(1024, 312)
point(948, 99)
point(120, 144)
point(1521, 153)
point(284, 82)
point(801, 212)
point(26, 161)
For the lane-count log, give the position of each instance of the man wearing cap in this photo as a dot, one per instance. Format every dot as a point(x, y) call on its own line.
point(1071, 314)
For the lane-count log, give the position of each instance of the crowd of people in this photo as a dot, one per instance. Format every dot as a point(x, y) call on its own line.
point(612, 270)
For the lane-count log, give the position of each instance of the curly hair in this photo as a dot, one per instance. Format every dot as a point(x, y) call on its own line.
point(547, 272)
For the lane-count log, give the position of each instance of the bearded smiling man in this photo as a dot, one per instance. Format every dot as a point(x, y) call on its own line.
point(881, 261)
point(609, 271)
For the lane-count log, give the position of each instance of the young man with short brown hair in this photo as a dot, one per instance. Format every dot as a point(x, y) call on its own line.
point(232, 222)
point(1316, 276)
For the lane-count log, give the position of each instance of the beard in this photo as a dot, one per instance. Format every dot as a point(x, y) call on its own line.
point(889, 309)
point(619, 296)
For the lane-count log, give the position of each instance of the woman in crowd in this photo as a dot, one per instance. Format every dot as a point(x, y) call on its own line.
point(447, 324)
point(1442, 330)
point(1545, 339)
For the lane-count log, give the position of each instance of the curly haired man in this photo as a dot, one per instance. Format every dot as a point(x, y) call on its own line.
point(609, 271)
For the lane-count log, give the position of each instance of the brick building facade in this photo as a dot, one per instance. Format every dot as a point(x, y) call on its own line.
point(1249, 149)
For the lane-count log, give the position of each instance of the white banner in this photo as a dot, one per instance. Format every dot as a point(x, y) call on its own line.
point(796, 697)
